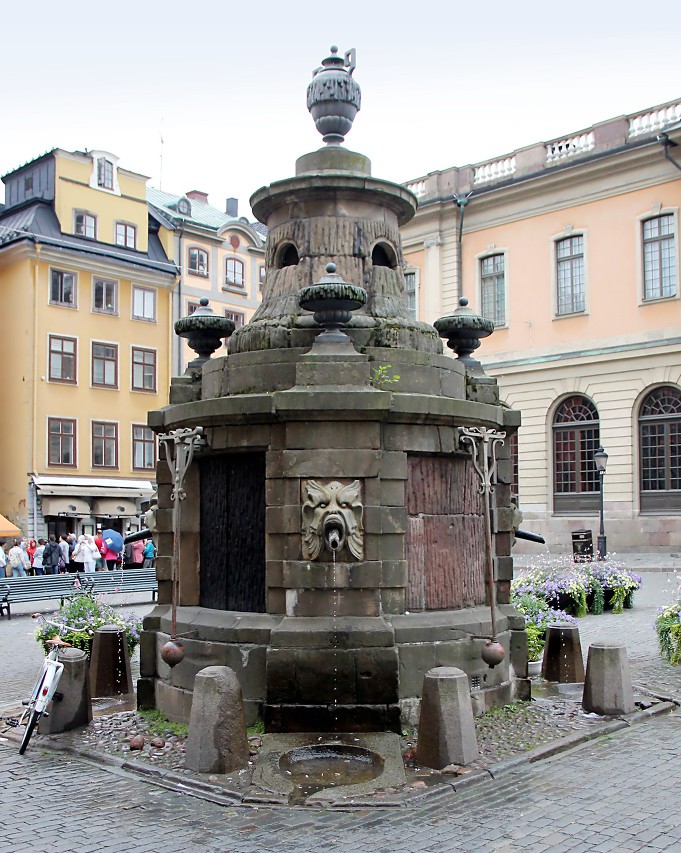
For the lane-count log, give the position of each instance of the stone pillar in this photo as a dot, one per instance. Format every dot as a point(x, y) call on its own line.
point(217, 741)
point(446, 727)
point(110, 663)
point(430, 281)
point(563, 655)
point(607, 686)
point(75, 708)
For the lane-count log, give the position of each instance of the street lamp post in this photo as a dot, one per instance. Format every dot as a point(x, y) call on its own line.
point(601, 461)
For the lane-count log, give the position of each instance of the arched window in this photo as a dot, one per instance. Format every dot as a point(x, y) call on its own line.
point(659, 426)
point(576, 436)
point(234, 273)
point(198, 261)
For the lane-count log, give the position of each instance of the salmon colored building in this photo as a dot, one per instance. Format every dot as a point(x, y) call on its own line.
point(571, 247)
point(86, 289)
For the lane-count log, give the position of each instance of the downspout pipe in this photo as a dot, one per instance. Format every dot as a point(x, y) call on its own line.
point(179, 298)
point(460, 201)
point(668, 143)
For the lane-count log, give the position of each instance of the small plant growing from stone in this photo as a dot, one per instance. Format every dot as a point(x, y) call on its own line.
point(381, 377)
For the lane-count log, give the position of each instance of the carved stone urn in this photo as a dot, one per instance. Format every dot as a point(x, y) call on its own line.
point(332, 301)
point(204, 331)
point(333, 97)
point(463, 330)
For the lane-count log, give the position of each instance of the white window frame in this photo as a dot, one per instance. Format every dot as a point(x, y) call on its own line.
point(657, 210)
point(479, 259)
point(128, 228)
point(145, 294)
point(416, 273)
point(86, 217)
point(566, 234)
point(60, 304)
point(107, 281)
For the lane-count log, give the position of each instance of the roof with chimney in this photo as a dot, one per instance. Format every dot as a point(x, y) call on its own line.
point(193, 209)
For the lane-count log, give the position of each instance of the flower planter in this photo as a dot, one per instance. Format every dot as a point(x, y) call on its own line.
point(534, 667)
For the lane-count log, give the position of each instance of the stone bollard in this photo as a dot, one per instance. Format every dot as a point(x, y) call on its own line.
point(75, 709)
point(607, 687)
point(217, 741)
point(563, 655)
point(110, 663)
point(446, 727)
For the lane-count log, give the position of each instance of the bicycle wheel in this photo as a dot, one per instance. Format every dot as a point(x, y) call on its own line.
point(30, 727)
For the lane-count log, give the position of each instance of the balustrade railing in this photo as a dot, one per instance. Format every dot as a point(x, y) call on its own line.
point(494, 171)
point(570, 146)
point(418, 188)
point(654, 120)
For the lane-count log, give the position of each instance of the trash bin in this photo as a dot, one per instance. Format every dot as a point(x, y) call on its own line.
point(582, 546)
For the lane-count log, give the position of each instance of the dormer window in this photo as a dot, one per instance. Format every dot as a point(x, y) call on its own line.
point(105, 173)
point(85, 224)
point(184, 207)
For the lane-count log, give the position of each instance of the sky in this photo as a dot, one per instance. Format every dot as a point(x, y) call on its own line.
point(223, 84)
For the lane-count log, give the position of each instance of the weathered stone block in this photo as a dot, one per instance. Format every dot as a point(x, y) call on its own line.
point(174, 703)
point(217, 741)
point(377, 676)
point(504, 568)
point(393, 465)
point(340, 434)
point(340, 602)
point(75, 708)
point(281, 676)
point(283, 519)
point(607, 685)
point(326, 676)
point(147, 653)
point(446, 727)
point(387, 546)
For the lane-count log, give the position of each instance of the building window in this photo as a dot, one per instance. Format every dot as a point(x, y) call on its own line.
point(576, 436)
point(143, 303)
point(143, 448)
point(105, 296)
point(62, 288)
point(104, 445)
point(85, 224)
point(234, 273)
point(143, 369)
point(659, 424)
point(105, 173)
point(410, 293)
point(493, 289)
point(261, 276)
point(198, 262)
point(191, 307)
point(105, 365)
point(126, 235)
point(659, 257)
point(61, 444)
point(238, 318)
point(62, 359)
point(570, 275)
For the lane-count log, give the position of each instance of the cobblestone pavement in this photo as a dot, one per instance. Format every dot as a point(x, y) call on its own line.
point(614, 793)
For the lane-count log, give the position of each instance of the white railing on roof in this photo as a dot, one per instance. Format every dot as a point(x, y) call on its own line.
point(654, 120)
point(494, 171)
point(570, 146)
point(418, 188)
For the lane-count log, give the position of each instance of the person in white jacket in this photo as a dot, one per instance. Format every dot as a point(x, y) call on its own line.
point(86, 552)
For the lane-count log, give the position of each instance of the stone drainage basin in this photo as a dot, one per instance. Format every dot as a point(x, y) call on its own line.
point(326, 769)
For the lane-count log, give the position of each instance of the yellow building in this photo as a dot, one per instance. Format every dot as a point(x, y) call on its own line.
point(221, 256)
point(86, 288)
point(572, 248)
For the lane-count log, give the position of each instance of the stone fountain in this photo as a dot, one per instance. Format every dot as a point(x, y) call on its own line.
point(333, 534)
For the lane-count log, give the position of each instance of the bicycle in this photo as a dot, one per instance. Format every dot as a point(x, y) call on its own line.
point(45, 689)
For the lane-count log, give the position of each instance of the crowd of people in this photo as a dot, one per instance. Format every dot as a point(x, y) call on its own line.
point(70, 553)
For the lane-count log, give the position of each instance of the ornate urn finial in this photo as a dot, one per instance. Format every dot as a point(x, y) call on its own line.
point(204, 331)
point(463, 330)
point(333, 97)
point(332, 301)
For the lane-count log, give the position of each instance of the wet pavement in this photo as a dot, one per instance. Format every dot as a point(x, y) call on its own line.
point(616, 792)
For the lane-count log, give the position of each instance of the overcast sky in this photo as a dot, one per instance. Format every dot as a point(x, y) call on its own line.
point(443, 83)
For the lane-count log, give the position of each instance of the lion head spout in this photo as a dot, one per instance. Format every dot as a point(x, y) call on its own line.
point(332, 519)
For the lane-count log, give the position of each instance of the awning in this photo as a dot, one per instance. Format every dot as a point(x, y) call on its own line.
point(90, 487)
point(65, 506)
point(7, 528)
point(114, 507)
